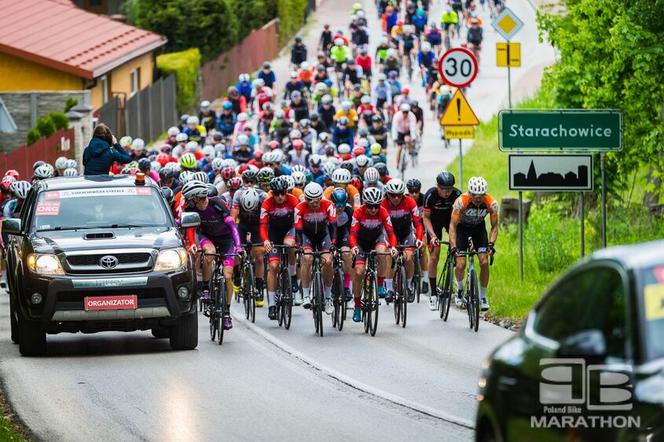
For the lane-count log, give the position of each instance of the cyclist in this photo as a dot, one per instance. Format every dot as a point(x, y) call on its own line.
point(325, 40)
point(217, 233)
point(339, 53)
point(426, 60)
point(434, 37)
point(20, 190)
point(372, 180)
point(414, 187)
point(364, 61)
point(267, 75)
point(341, 180)
point(419, 21)
point(475, 37)
point(315, 227)
point(383, 94)
point(298, 52)
point(449, 20)
point(327, 111)
point(370, 229)
point(276, 227)
point(467, 221)
point(407, 225)
point(408, 44)
point(404, 129)
point(342, 132)
point(437, 213)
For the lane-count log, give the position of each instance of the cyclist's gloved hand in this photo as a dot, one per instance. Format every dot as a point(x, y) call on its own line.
point(418, 243)
point(435, 242)
point(394, 252)
point(491, 249)
point(268, 246)
point(355, 250)
point(454, 251)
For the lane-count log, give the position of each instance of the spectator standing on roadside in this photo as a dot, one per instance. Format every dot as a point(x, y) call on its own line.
point(102, 151)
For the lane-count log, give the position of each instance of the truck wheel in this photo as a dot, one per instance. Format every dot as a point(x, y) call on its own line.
point(13, 320)
point(184, 334)
point(161, 332)
point(31, 338)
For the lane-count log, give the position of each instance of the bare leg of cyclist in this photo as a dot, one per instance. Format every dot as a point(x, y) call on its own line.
point(208, 248)
point(257, 254)
point(228, 276)
point(273, 269)
point(305, 277)
point(484, 279)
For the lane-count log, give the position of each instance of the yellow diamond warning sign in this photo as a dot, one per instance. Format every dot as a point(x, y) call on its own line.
point(459, 112)
point(459, 132)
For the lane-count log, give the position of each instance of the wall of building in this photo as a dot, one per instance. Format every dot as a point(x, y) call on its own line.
point(26, 107)
point(17, 74)
point(120, 79)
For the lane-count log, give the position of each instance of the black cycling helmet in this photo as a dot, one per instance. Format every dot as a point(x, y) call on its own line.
point(347, 165)
point(166, 173)
point(37, 164)
point(168, 194)
point(445, 179)
point(278, 185)
point(212, 190)
point(249, 175)
point(381, 168)
point(144, 164)
point(414, 185)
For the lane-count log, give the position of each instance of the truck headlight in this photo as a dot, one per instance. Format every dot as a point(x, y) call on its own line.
point(44, 264)
point(170, 260)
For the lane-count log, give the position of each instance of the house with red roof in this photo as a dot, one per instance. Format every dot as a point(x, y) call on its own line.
point(53, 45)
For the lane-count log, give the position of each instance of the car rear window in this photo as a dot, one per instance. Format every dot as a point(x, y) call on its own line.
point(110, 207)
point(653, 305)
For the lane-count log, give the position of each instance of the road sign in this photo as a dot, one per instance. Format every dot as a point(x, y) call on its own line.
point(508, 55)
point(552, 173)
point(459, 112)
point(507, 24)
point(560, 129)
point(459, 132)
point(458, 67)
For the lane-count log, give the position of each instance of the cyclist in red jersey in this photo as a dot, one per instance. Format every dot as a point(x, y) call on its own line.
point(407, 225)
point(371, 229)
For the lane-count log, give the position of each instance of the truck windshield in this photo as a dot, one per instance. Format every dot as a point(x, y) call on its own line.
point(110, 207)
point(653, 304)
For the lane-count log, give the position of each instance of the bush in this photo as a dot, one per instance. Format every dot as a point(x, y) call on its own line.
point(59, 119)
point(71, 102)
point(291, 18)
point(33, 136)
point(184, 65)
point(45, 126)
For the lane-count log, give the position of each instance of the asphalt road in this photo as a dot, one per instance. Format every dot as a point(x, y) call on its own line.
point(268, 383)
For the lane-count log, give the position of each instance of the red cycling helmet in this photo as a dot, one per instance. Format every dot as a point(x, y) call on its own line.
point(163, 159)
point(7, 182)
point(241, 168)
point(357, 151)
point(298, 144)
point(235, 183)
point(405, 91)
point(355, 181)
point(227, 173)
point(14, 173)
point(258, 155)
point(274, 144)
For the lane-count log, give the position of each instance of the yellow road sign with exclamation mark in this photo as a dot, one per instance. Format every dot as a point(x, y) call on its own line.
point(459, 112)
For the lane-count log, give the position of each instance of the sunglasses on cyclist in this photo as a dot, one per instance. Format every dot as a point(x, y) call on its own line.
point(393, 195)
point(279, 193)
point(373, 206)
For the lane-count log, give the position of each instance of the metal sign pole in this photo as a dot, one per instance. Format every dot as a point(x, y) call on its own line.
point(583, 227)
point(601, 166)
point(461, 164)
point(509, 76)
point(521, 235)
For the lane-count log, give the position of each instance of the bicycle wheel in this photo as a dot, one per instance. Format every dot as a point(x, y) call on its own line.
point(366, 301)
point(399, 276)
point(446, 291)
point(337, 297)
point(252, 293)
point(317, 306)
point(373, 311)
point(404, 300)
point(475, 300)
point(246, 294)
point(222, 308)
point(417, 276)
point(287, 298)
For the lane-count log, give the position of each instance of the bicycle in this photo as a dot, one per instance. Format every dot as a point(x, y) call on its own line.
point(416, 284)
point(317, 298)
point(445, 284)
point(284, 290)
point(217, 309)
point(247, 287)
point(370, 302)
point(400, 289)
point(472, 293)
point(339, 312)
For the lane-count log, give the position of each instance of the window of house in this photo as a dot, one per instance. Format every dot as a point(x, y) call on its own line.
point(135, 78)
point(105, 89)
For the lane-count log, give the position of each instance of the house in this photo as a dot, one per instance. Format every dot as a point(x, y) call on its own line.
point(52, 45)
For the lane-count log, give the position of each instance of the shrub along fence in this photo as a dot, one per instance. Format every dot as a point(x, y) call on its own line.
point(45, 149)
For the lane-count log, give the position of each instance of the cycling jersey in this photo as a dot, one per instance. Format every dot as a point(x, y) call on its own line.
point(248, 218)
point(404, 125)
point(317, 223)
point(465, 212)
point(439, 208)
point(426, 59)
point(343, 225)
point(340, 53)
point(276, 219)
point(404, 216)
point(217, 226)
point(381, 53)
point(449, 18)
point(366, 229)
point(353, 194)
point(351, 115)
point(408, 43)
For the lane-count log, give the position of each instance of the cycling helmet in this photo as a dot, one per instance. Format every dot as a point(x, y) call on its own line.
point(298, 168)
point(185, 177)
point(298, 144)
point(347, 165)
point(166, 173)
point(235, 183)
point(381, 168)
point(304, 123)
point(209, 151)
point(278, 185)
point(342, 121)
point(61, 163)
point(313, 191)
point(188, 161)
point(338, 41)
point(250, 199)
point(382, 77)
point(44, 171)
point(315, 160)
point(7, 182)
point(144, 164)
point(20, 189)
point(299, 178)
point(426, 46)
point(371, 175)
point(191, 146)
point(405, 107)
point(445, 179)
point(277, 156)
point(265, 175)
point(71, 164)
point(227, 105)
point(405, 91)
point(346, 105)
point(375, 149)
point(341, 176)
point(70, 173)
point(138, 144)
point(372, 195)
point(362, 161)
point(227, 172)
point(12, 173)
point(217, 164)
point(329, 168)
point(295, 134)
point(343, 149)
point(249, 175)
point(242, 116)
point(167, 193)
point(155, 165)
point(173, 131)
point(323, 136)
point(413, 185)
point(181, 137)
point(289, 180)
point(477, 185)
point(200, 176)
point(395, 186)
point(339, 197)
point(193, 120)
point(194, 189)
point(242, 140)
point(163, 159)
point(327, 99)
point(363, 143)
point(37, 164)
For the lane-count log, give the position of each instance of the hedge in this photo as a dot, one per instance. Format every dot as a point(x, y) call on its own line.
point(47, 126)
point(291, 18)
point(185, 66)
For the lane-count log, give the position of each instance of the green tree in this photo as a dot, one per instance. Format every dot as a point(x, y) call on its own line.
point(612, 56)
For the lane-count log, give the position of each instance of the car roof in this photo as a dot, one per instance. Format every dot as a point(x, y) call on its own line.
point(90, 181)
point(635, 256)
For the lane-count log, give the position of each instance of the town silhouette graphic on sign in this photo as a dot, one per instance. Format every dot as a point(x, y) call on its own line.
point(552, 179)
point(551, 172)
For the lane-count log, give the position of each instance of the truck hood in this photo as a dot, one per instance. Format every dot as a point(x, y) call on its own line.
point(93, 239)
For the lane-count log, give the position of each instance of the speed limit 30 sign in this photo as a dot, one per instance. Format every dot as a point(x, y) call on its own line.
point(458, 67)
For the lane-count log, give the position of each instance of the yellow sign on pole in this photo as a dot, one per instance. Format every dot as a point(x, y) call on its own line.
point(508, 55)
point(459, 132)
point(459, 112)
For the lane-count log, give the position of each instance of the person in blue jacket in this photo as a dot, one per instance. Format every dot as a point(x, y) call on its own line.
point(102, 151)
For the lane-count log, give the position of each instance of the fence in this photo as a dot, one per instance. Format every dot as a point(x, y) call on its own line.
point(247, 56)
point(146, 115)
point(46, 149)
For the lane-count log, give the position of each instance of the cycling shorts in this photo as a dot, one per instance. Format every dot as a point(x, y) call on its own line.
point(318, 244)
point(367, 245)
point(438, 229)
point(408, 240)
point(477, 232)
point(401, 137)
point(249, 234)
point(279, 238)
point(222, 247)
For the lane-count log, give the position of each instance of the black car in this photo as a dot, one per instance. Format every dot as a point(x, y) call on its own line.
point(99, 253)
point(588, 364)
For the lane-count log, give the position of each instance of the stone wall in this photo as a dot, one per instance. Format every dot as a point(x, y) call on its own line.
point(27, 107)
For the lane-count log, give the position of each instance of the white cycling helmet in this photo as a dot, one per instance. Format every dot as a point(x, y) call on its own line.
point(217, 164)
point(70, 173)
point(365, 99)
point(194, 189)
point(200, 176)
point(291, 182)
point(125, 141)
point(44, 171)
point(314, 160)
point(298, 168)
point(346, 105)
point(20, 189)
point(343, 149)
point(426, 46)
point(193, 120)
point(338, 42)
point(405, 107)
point(242, 140)
point(71, 164)
point(372, 195)
point(61, 163)
point(477, 185)
point(191, 146)
point(181, 137)
point(395, 186)
point(362, 161)
point(173, 131)
point(250, 199)
point(242, 116)
point(341, 176)
point(313, 191)
point(299, 178)
point(329, 168)
point(208, 151)
point(371, 175)
point(185, 177)
point(205, 105)
point(138, 144)
point(304, 65)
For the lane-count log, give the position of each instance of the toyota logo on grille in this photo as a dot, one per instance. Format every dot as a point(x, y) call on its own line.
point(108, 261)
